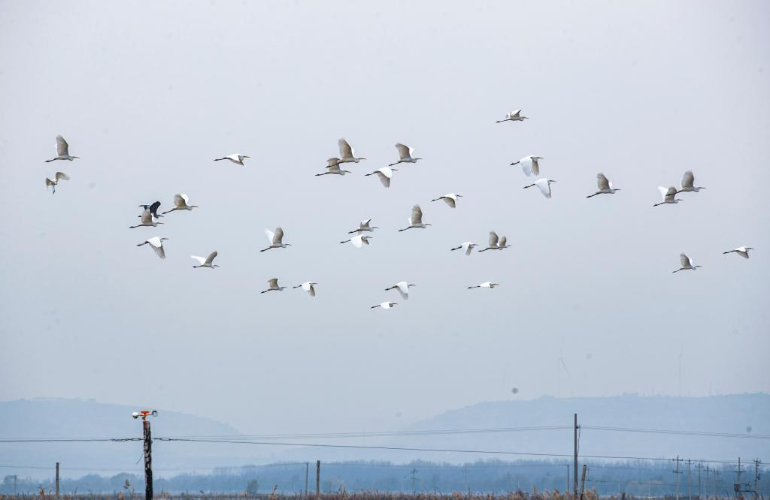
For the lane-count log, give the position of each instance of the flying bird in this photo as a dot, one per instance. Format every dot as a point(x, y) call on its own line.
point(181, 202)
point(385, 174)
point(153, 208)
point(466, 246)
point(486, 284)
point(333, 168)
point(272, 286)
point(156, 244)
point(403, 289)
point(364, 227)
point(742, 251)
point(415, 221)
point(358, 241)
point(62, 150)
point(513, 116)
point(544, 185)
point(207, 261)
point(687, 264)
point(530, 165)
point(347, 154)
point(495, 243)
point(308, 286)
point(235, 158)
point(60, 176)
point(275, 239)
point(668, 195)
point(404, 155)
point(385, 305)
point(687, 183)
point(450, 199)
point(147, 220)
point(605, 186)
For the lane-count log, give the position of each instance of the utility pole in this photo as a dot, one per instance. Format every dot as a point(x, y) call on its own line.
point(583, 481)
point(575, 449)
point(716, 478)
point(689, 478)
point(466, 481)
point(318, 479)
point(708, 470)
point(307, 472)
point(738, 482)
point(566, 491)
point(57, 480)
point(147, 450)
point(757, 464)
point(677, 472)
point(414, 478)
point(699, 467)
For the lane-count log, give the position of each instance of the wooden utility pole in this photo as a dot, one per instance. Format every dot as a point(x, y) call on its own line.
point(677, 472)
point(566, 490)
point(757, 463)
point(147, 460)
point(307, 472)
point(575, 449)
point(583, 481)
point(318, 479)
point(414, 478)
point(57, 480)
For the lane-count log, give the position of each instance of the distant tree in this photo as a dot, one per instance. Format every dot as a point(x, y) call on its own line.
point(252, 487)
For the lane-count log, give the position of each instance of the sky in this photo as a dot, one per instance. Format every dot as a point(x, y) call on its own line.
point(149, 94)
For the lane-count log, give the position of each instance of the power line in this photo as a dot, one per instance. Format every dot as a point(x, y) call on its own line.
point(678, 432)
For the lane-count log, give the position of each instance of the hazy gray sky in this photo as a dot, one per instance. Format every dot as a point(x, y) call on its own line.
point(149, 93)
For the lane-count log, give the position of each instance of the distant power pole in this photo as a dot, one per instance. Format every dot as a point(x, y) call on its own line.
point(307, 472)
point(566, 491)
point(147, 450)
point(575, 450)
point(583, 481)
point(318, 479)
point(689, 478)
point(716, 478)
point(708, 470)
point(57, 480)
point(738, 487)
point(677, 472)
point(699, 466)
point(414, 478)
point(757, 464)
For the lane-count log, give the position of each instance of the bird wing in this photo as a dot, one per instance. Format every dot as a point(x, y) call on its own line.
point(146, 217)
point(332, 162)
point(515, 114)
point(365, 239)
point(211, 257)
point(670, 193)
point(493, 239)
point(503, 240)
point(185, 198)
point(357, 241)
point(62, 148)
point(272, 283)
point(526, 165)
point(154, 208)
point(49, 182)
point(179, 201)
point(544, 186)
point(602, 182)
point(685, 260)
point(404, 152)
point(345, 150)
point(200, 260)
point(311, 291)
point(663, 192)
point(403, 289)
point(467, 247)
point(416, 215)
point(270, 235)
point(334, 169)
point(450, 200)
point(688, 179)
point(535, 167)
point(277, 240)
point(159, 251)
point(62, 176)
point(306, 286)
point(364, 224)
point(384, 175)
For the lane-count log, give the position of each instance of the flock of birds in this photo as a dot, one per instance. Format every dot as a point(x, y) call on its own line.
point(530, 165)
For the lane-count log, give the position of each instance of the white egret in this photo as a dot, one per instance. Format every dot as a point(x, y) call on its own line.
point(404, 155)
point(156, 244)
point(275, 239)
point(385, 174)
point(333, 168)
point(450, 199)
point(358, 241)
point(385, 305)
point(687, 264)
point(466, 246)
point(347, 154)
point(513, 116)
point(403, 289)
point(530, 165)
point(235, 158)
point(687, 183)
point(153, 208)
point(272, 286)
point(486, 284)
point(742, 251)
point(308, 286)
point(181, 202)
point(364, 227)
point(60, 176)
point(495, 243)
point(415, 221)
point(605, 186)
point(207, 261)
point(62, 150)
point(147, 220)
point(544, 185)
point(669, 196)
